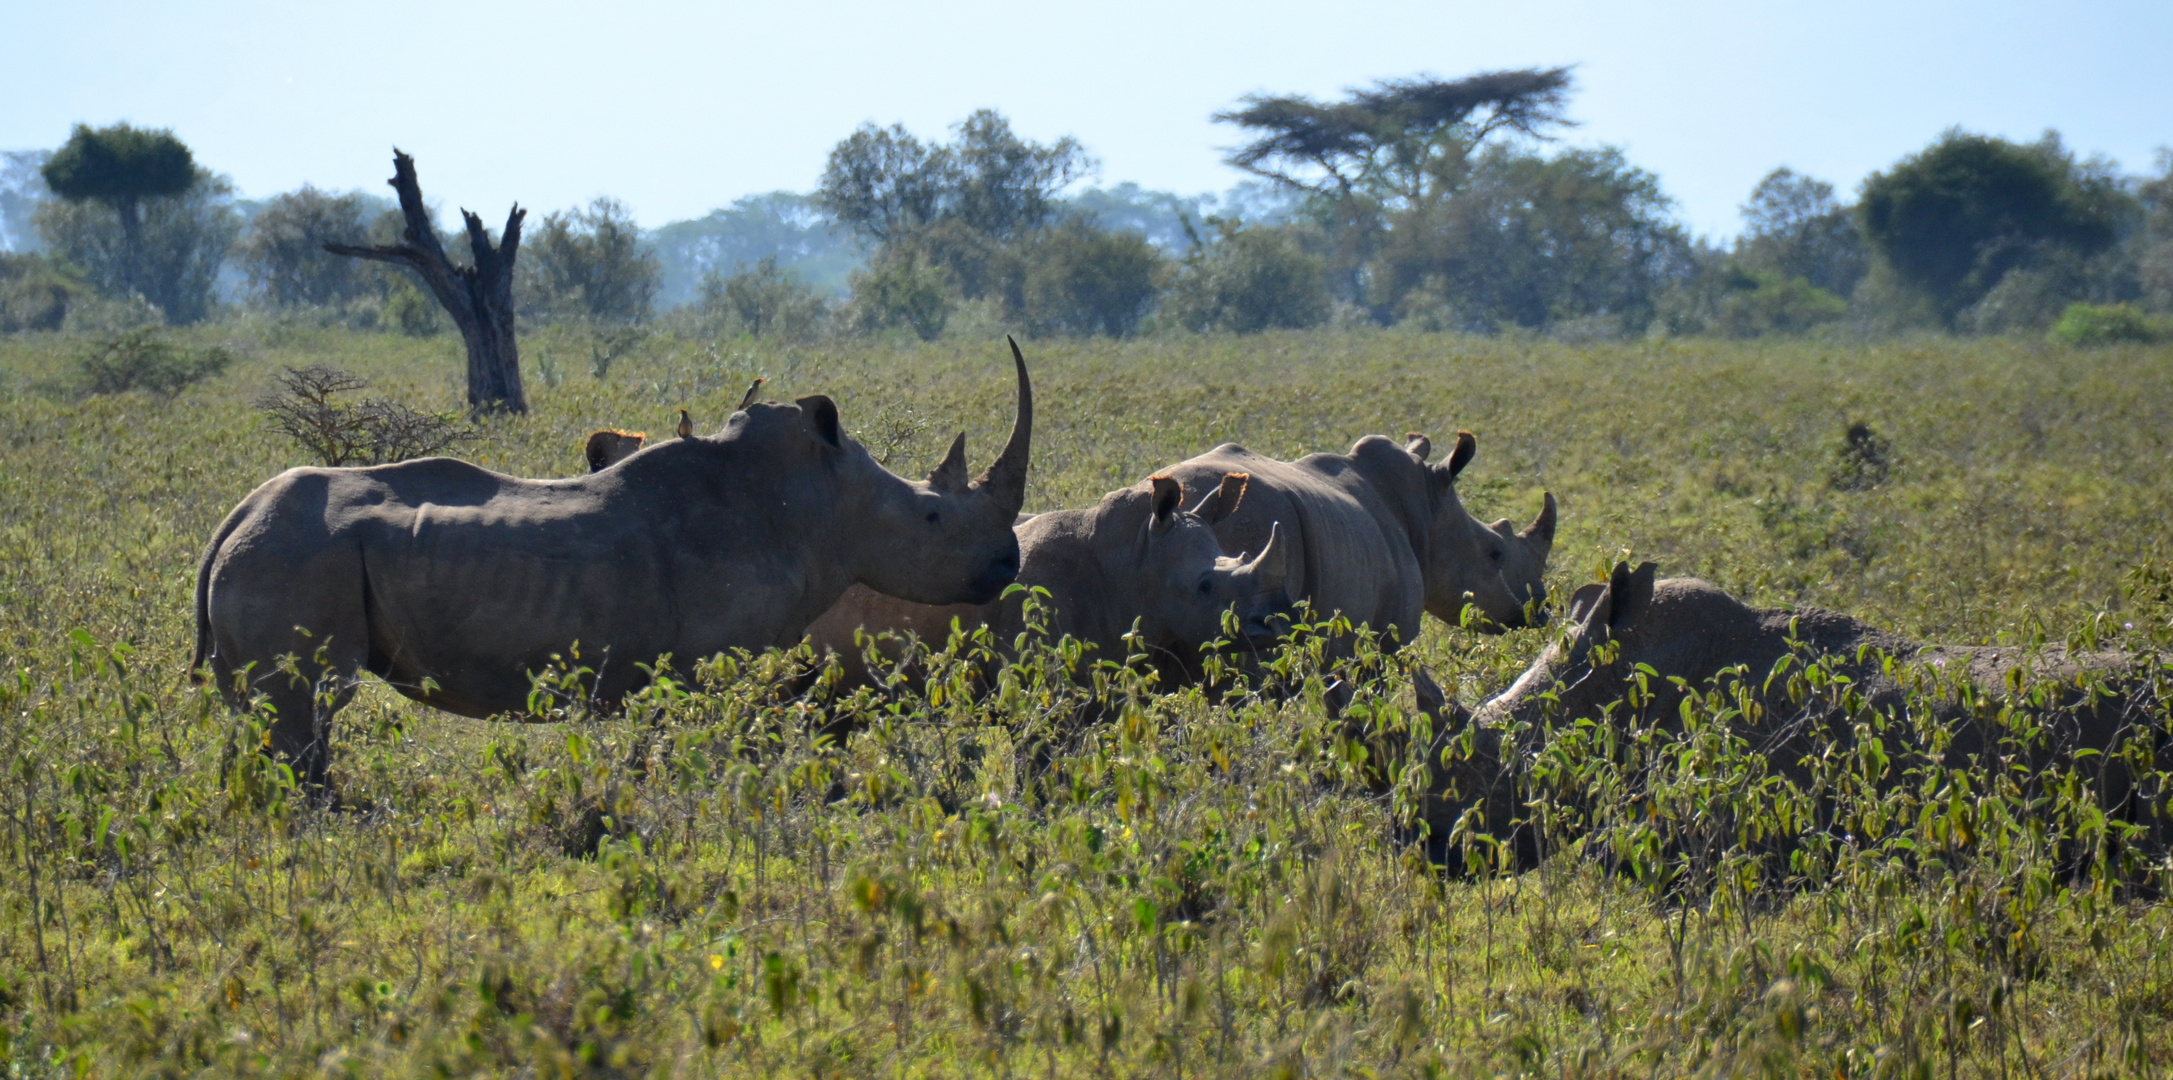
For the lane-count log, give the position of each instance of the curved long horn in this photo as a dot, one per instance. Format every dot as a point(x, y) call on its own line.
point(1542, 527)
point(1271, 568)
point(1006, 478)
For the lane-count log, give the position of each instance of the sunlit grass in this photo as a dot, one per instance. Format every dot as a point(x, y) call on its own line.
point(1186, 885)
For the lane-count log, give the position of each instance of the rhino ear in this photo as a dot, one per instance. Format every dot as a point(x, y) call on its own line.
point(951, 474)
point(1223, 501)
point(1467, 444)
point(610, 446)
point(1631, 591)
point(1585, 599)
point(1169, 496)
point(822, 414)
point(1417, 445)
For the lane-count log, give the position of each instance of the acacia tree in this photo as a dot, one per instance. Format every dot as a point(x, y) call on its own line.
point(1397, 149)
point(1402, 141)
point(120, 167)
point(478, 296)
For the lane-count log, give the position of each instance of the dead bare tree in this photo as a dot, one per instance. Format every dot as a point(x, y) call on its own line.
point(478, 296)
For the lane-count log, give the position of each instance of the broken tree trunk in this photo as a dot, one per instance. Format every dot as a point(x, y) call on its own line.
point(479, 296)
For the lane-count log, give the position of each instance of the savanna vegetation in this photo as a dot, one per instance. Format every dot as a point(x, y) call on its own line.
point(1079, 872)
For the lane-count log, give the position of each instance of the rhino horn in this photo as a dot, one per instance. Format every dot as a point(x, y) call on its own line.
point(951, 474)
point(1541, 530)
point(1006, 478)
point(1271, 568)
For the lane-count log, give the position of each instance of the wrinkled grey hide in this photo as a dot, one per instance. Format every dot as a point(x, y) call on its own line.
point(454, 583)
point(1688, 629)
point(1380, 536)
point(1137, 557)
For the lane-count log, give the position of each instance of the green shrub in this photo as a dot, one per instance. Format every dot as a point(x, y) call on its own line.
point(412, 311)
point(2104, 324)
point(1757, 302)
point(766, 301)
point(1251, 279)
point(36, 293)
point(142, 360)
point(902, 292)
point(1082, 280)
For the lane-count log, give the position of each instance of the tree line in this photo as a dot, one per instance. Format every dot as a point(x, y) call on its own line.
point(1426, 203)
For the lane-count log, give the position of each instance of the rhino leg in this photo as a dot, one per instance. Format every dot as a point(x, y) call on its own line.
point(301, 635)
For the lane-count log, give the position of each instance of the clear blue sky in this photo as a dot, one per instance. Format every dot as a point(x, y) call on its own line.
point(678, 108)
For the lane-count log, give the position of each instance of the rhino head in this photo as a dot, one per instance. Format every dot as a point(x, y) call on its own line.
point(945, 540)
point(1188, 584)
point(1498, 569)
point(1588, 665)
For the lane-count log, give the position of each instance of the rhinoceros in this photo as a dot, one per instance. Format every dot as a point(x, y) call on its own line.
point(1676, 635)
point(1138, 558)
point(454, 583)
point(1380, 535)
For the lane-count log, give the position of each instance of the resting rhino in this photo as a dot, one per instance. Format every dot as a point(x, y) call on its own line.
point(1685, 632)
point(453, 583)
point(1137, 557)
point(1380, 536)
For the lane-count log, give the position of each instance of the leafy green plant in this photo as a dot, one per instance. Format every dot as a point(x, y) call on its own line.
point(145, 359)
point(2104, 324)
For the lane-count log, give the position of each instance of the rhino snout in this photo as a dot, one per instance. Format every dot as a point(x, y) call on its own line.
point(995, 577)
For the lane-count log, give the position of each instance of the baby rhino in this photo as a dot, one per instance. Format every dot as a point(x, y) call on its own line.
point(1137, 559)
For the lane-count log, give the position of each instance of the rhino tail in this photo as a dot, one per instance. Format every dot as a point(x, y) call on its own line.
point(202, 655)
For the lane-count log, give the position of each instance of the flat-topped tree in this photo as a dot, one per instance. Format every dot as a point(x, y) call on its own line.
point(478, 296)
point(121, 166)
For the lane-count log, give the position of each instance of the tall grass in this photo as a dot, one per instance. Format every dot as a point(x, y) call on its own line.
point(1078, 873)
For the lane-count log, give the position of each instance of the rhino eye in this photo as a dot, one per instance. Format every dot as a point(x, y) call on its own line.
point(935, 518)
point(1206, 586)
point(1494, 554)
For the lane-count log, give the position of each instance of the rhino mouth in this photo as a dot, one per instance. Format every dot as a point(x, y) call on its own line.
point(994, 578)
point(1265, 626)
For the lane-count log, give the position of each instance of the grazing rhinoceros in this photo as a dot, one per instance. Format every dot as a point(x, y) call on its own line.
point(1380, 536)
point(1136, 558)
point(454, 583)
point(1680, 634)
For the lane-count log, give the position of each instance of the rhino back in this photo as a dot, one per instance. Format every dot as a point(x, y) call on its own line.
point(471, 579)
point(1346, 553)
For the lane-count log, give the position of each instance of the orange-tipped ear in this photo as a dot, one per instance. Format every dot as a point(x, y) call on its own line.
point(610, 446)
point(1223, 501)
point(1169, 497)
point(1467, 445)
point(1417, 445)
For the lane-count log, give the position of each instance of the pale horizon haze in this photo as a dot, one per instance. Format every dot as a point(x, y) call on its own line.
point(677, 109)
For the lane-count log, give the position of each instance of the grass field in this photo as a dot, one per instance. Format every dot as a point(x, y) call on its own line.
point(1191, 888)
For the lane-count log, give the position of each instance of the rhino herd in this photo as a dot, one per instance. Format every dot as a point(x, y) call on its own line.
point(454, 584)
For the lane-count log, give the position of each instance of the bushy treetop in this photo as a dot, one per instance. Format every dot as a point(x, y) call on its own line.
point(1387, 133)
point(120, 164)
point(1956, 216)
